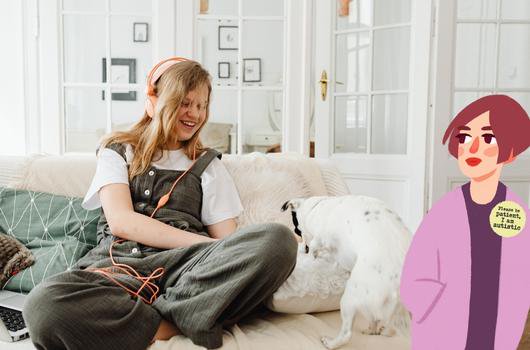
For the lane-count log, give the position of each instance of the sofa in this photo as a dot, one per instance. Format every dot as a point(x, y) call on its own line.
point(264, 182)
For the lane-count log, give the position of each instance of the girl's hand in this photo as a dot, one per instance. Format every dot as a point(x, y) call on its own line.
point(125, 223)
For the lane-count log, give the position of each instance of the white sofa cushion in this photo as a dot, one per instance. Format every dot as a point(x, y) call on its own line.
point(289, 332)
point(266, 182)
point(335, 185)
point(13, 169)
point(68, 175)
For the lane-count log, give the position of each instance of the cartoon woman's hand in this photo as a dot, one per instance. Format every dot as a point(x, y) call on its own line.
point(421, 279)
point(432, 284)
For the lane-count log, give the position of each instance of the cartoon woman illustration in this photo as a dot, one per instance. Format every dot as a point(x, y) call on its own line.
point(465, 279)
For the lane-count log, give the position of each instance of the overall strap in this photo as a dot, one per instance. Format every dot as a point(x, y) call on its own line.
point(118, 148)
point(204, 160)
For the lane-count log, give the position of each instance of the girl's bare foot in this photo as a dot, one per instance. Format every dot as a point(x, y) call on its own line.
point(165, 331)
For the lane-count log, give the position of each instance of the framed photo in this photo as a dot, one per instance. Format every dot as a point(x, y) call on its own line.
point(251, 70)
point(123, 72)
point(223, 70)
point(228, 37)
point(140, 32)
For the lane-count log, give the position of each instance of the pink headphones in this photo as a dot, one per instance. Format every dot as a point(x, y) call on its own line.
point(153, 76)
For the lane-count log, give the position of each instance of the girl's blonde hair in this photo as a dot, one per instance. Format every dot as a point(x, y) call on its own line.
point(149, 135)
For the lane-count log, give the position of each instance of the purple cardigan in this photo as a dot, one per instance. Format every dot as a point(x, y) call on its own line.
point(436, 279)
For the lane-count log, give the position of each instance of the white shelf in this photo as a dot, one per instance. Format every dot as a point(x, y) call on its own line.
point(248, 88)
point(263, 87)
point(236, 18)
point(263, 139)
point(218, 17)
point(262, 18)
point(104, 13)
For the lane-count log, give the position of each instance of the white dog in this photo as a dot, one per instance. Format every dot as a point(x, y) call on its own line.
point(367, 238)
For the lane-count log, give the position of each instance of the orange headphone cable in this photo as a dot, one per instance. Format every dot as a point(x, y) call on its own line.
point(165, 198)
point(153, 288)
point(126, 269)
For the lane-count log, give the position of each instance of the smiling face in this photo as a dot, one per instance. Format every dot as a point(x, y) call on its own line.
point(477, 148)
point(192, 113)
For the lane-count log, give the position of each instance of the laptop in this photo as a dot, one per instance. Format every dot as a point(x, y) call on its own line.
point(12, 327)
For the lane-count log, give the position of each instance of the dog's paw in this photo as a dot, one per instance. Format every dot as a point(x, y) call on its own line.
point(387, 331)
point(328, 342)
point(370, 331)
point(382, 330)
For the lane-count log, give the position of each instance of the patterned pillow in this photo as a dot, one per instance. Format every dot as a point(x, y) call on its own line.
point(56, 229)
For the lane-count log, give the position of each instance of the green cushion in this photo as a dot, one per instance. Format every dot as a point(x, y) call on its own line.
point(56, 229)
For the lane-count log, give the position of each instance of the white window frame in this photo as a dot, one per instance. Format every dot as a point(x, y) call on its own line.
point(296, 87)
point(369, 93)
point(241, 87)
point(49, 123)
point(498, 21)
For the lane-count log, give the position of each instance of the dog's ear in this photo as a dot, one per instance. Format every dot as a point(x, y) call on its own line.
point(292, 203)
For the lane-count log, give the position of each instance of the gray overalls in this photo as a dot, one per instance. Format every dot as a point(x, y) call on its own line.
point(205, 287)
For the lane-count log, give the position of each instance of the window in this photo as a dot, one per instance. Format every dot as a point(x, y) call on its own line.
point(492, 50)
point(372, 50)
point(106, 55)
point(247, 36)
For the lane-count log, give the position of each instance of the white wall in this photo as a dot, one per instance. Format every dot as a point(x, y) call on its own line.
point(12, 113)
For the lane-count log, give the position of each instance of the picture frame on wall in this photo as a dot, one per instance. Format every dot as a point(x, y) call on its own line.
point(228, 37)
point(140, 32)
point(223, 70)
point(251, 70)
point(123, 71)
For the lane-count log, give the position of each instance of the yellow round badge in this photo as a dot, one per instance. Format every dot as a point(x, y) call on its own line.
point(507, 219)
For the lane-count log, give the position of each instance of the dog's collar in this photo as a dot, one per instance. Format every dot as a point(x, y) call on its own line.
point(295, 222)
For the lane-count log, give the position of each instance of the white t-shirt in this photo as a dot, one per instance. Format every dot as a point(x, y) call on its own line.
point(220, 199)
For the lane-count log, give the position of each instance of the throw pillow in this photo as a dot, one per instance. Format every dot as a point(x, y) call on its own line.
point(266, 182)
point(56, 229)
point(14, 257)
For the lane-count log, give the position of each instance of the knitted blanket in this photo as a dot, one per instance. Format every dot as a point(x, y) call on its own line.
point(14, 257)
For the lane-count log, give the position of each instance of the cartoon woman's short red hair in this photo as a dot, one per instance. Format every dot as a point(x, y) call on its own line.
point(508, 120)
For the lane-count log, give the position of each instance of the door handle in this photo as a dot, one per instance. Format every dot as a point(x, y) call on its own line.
point(323, 85)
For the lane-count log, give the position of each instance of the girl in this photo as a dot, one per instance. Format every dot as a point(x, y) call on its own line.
point(168, 258)
point(465, 277)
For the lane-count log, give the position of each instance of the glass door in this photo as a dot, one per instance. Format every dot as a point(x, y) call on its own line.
point(242, 45)
point(372, 59)
point(371, 77)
